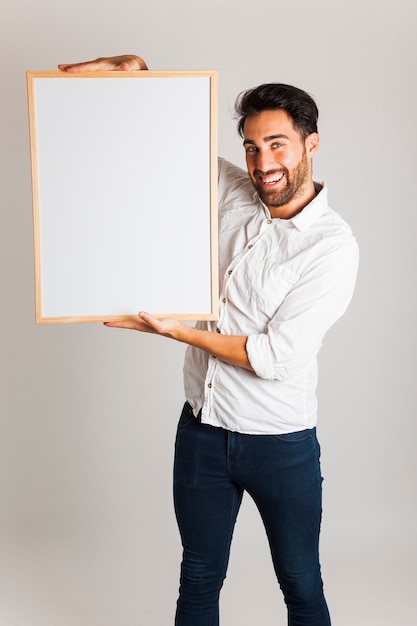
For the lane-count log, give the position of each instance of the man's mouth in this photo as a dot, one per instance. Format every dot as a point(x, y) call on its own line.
point(271, 179)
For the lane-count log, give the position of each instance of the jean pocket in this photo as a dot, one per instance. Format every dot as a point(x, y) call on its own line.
point(187, 416)
point(298, 436)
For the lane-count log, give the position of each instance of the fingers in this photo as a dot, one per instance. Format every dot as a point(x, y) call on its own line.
point(160, 326)
point(123, 63)
point(148, 319)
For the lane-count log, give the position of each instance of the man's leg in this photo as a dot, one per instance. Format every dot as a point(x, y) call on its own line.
point(206, 504)
point(282, 474)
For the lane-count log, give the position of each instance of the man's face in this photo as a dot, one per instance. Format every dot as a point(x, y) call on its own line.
point(279, 162)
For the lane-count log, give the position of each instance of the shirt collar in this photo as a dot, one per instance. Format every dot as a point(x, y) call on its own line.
point(311, 212)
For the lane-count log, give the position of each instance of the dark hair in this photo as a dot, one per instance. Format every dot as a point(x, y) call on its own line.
point(298, 104)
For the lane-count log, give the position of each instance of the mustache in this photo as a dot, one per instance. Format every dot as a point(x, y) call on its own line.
point(270, 172)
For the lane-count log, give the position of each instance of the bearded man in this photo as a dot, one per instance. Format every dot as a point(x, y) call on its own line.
point(288, 266)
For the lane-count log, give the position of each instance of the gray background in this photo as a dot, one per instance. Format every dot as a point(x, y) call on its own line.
point(88, 414)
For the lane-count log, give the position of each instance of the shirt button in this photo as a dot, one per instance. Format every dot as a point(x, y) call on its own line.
point(230, 272)
point(218, 330)
point(250, 246)
point(209, 385)
point(224, 300)
point(269, 221)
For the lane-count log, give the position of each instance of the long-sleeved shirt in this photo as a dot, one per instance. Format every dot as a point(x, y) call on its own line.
point(283, 284)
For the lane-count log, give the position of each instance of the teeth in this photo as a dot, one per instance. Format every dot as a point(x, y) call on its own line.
point(272, 180)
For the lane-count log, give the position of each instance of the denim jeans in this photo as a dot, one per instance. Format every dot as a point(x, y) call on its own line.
point(213, 467)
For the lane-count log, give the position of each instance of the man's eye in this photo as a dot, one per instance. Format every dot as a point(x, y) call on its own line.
point(251, 148)
point(277, 145)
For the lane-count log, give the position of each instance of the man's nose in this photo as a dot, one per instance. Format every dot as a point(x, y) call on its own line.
point(264, 162)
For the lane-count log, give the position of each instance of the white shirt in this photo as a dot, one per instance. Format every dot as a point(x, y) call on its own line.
point(283, 283)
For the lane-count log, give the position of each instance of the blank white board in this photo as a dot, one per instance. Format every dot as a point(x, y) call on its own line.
point(124, 178)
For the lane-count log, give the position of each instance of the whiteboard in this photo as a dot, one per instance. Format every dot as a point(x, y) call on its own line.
point(124, 180)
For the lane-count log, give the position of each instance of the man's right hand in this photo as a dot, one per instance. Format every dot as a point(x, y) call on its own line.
point(123, 63)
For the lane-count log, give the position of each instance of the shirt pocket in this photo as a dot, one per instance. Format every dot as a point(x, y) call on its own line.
point(270, 283)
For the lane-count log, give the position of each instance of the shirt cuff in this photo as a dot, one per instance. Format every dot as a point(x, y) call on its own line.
point(259, 355)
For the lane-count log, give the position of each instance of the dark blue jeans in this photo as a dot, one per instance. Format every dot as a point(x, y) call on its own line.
point(213, 467)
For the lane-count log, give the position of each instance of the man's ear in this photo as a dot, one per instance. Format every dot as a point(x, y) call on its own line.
point(312, 144)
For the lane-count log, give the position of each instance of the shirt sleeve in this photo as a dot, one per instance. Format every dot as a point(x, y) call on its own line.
point(234, 184)
point(316, 301)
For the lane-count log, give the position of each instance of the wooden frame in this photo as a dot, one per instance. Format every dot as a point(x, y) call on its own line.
point(124, 181)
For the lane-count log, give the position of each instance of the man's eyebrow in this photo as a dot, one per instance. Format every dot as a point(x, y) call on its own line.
point(266, 139)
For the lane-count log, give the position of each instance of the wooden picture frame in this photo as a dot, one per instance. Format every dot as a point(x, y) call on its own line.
point(124, 181)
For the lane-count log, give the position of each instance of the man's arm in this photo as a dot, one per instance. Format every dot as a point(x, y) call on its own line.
point(231, 349)
point(316, 301)
point(122, 63)
point(228, 348)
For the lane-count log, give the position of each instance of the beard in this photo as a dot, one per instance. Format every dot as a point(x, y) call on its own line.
point(293, 187)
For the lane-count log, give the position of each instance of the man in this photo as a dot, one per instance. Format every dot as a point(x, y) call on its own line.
point(288, 266)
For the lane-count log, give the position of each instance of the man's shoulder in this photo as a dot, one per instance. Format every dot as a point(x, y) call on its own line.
point(320, 216)
point(335, 224)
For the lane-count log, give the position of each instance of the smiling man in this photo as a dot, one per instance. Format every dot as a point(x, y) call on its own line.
point(279, 149)
point(288, 266)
